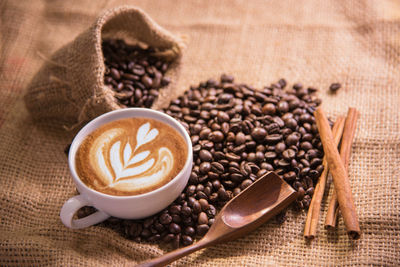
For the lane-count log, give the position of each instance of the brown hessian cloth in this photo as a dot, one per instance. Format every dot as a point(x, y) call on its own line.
point(356, 43)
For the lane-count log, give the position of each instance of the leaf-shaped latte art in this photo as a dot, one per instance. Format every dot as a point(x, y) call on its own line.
point(122, 166)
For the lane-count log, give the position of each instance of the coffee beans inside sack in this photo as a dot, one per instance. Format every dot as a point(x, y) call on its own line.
point(133, 73)
point(92, 75)
point(238, 133)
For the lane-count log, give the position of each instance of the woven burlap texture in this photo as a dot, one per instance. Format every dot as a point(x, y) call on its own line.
point(316, 42)
point(70, 85)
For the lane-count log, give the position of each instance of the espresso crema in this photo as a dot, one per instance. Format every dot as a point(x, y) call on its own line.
point(130, 156)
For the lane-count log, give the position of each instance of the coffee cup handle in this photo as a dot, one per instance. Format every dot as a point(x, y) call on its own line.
point(72, 206)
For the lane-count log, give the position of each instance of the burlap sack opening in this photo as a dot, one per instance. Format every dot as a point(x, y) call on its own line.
point(70, 88)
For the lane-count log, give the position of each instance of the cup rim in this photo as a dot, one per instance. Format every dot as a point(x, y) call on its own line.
point(74, 147)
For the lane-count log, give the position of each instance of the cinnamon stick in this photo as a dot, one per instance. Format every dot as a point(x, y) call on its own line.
point(339, 175)
point(310, 230)
point(345, 151)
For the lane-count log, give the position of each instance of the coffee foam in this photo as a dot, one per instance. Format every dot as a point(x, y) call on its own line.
point(131, 156)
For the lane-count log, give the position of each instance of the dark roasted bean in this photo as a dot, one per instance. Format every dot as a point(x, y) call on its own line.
point(315, 162)
point(245, 184)
point(186, 240)
point(202, 219)
point(232, 157)
point(270, 155)
point(269, 109)
point(288, 154)
point(334, 87)
point(283, 107)
point(174, 228)
point(273, 138)
point(216, 136)
point(115, 74)
point(222, 194)
point(258, 133)
point(202, 229)
point(292, 139)
point(165, 218)
point(189, 230)
point(205, 155)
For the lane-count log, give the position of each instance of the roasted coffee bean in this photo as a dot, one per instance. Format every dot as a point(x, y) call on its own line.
point(292, 139)
point(258, 133)
point(222, 194)
point(196, 207)
point(288, 154)
point(232, 157)
point(146, 233)
point(269, 109)
point(186, 211)
point(259, 156)
point(204, 204)
point(315, 162)
point(280, 147)
point(283, 163)
point(200, 195)
point(202, 219)
point(283, 107)
point(205, 167)
point(320, 169)
point(205, 155)
point(310, 191)
point(189, 230)
point(115, 74)
point(271, 155)
point(313, 174)
point(289, 176)
point(202, 229)
point(222, 116)
point(176, 218)
point(165, 218)
point(334, 87)
point(174, 228)
point(291, 123)
point(216, 136)
point(175, 209)
point(134, 229)
point(186, 240)
point(300, 193)
point(148, 222)
point(176, 241)
point(273, 138)
point(245, 184)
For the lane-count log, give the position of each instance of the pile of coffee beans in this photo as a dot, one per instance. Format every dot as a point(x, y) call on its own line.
point(133, 73)
point(238, 134)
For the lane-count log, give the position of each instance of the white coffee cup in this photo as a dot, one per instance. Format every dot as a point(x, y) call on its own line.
point(124, 207)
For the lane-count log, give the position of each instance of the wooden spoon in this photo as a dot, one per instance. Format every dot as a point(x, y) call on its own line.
point(252, 207)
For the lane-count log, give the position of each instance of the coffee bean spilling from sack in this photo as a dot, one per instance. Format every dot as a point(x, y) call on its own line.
point(133, 73)
point(238, 134)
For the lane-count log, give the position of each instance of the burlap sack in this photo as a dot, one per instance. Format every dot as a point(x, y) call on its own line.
point(354, 42)
point(70, 85)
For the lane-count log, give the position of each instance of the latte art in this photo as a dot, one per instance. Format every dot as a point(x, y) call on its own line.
point(130, 156)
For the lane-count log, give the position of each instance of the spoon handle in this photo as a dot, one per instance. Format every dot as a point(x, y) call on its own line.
point(174, 255)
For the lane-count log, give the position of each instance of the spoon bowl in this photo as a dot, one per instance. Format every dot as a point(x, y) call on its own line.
point(259, 202)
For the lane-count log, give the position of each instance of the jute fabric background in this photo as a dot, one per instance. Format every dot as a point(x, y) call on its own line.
point(356, 43)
